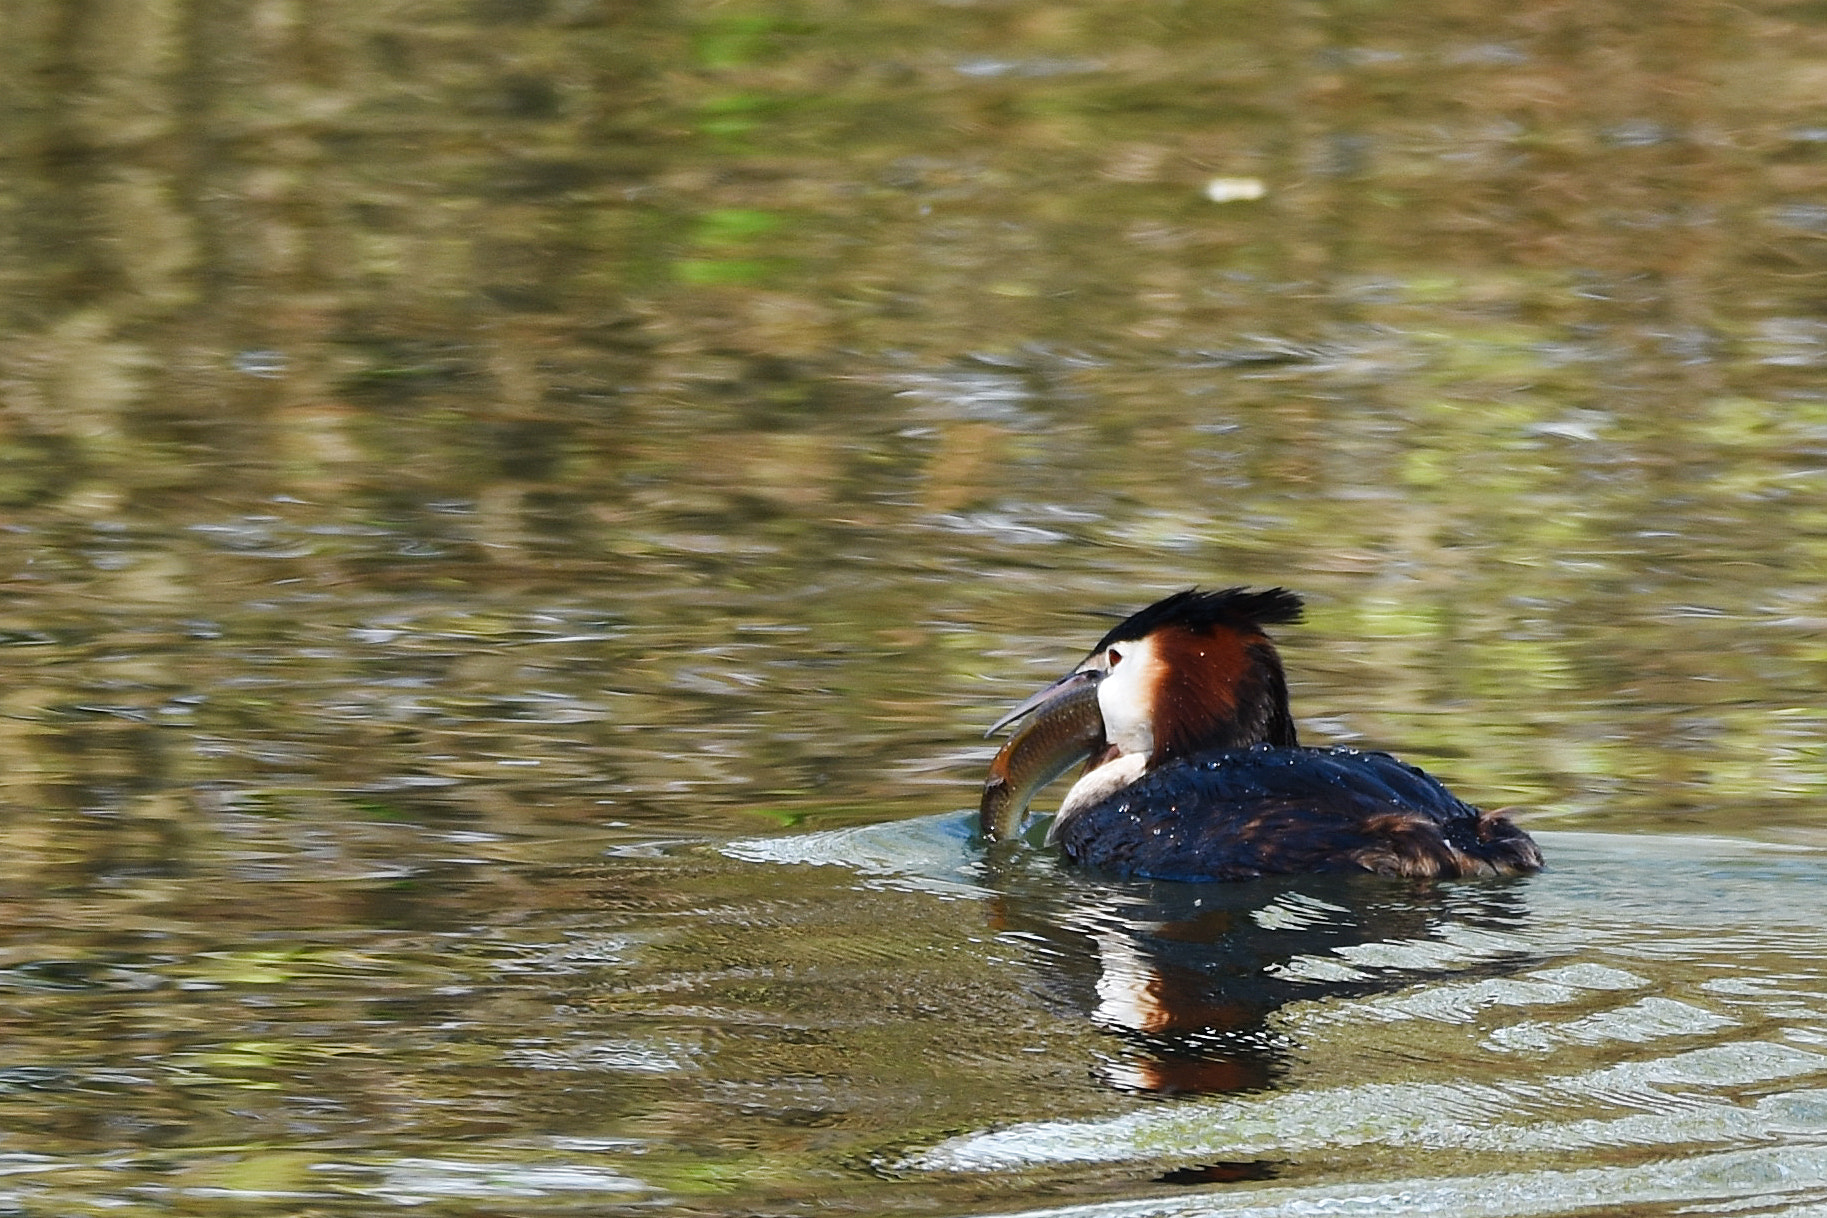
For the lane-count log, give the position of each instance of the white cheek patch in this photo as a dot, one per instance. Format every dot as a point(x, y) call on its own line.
point(1126, 697)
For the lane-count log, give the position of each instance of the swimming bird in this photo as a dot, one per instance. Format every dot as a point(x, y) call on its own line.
point(1195, 772)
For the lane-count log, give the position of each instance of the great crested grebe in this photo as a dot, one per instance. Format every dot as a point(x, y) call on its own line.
point(1195, 772)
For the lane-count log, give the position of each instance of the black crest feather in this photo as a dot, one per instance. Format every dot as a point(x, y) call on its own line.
point(1244, 608)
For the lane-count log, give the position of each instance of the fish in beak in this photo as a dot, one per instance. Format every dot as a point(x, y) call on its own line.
point(1064, 728)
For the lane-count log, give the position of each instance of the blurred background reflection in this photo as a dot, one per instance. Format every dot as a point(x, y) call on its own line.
point(458, 457)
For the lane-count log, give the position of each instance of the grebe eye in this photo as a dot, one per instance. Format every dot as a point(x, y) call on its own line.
point(1116, 657)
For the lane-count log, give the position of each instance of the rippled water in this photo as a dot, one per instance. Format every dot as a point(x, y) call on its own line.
point(514, 515)
point(1469, 1048)
point(884, 1019)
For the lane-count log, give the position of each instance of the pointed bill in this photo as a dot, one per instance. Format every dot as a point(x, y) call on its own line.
point(1065, 687)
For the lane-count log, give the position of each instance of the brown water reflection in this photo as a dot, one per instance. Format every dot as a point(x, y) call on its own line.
point(442, 442)
point(1192, 979)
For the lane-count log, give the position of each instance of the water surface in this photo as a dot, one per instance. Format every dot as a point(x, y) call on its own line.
point(515, 514)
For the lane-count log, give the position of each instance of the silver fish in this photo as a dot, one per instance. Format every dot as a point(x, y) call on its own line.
point(1066, 728)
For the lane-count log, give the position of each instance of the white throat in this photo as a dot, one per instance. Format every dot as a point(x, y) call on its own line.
point(1097, 786)
point(1125, 698)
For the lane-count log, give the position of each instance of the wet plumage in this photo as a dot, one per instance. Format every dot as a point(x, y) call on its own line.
point(1198, 775)
point(1230, 814)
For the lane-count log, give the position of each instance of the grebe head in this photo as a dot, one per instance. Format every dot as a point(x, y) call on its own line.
point(1196, 671)
point(1190, 672)
point(1193, 671)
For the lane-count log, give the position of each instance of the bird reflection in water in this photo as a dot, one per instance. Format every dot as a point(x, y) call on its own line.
point(1190, 977)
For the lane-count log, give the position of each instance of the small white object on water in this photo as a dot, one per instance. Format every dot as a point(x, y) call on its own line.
point(1234, 190)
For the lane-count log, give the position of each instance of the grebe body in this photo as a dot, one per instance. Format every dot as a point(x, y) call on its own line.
point(1231, 814)
point(1195, 772)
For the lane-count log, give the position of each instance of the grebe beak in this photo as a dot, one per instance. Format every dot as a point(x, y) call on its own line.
point(1065, 687)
